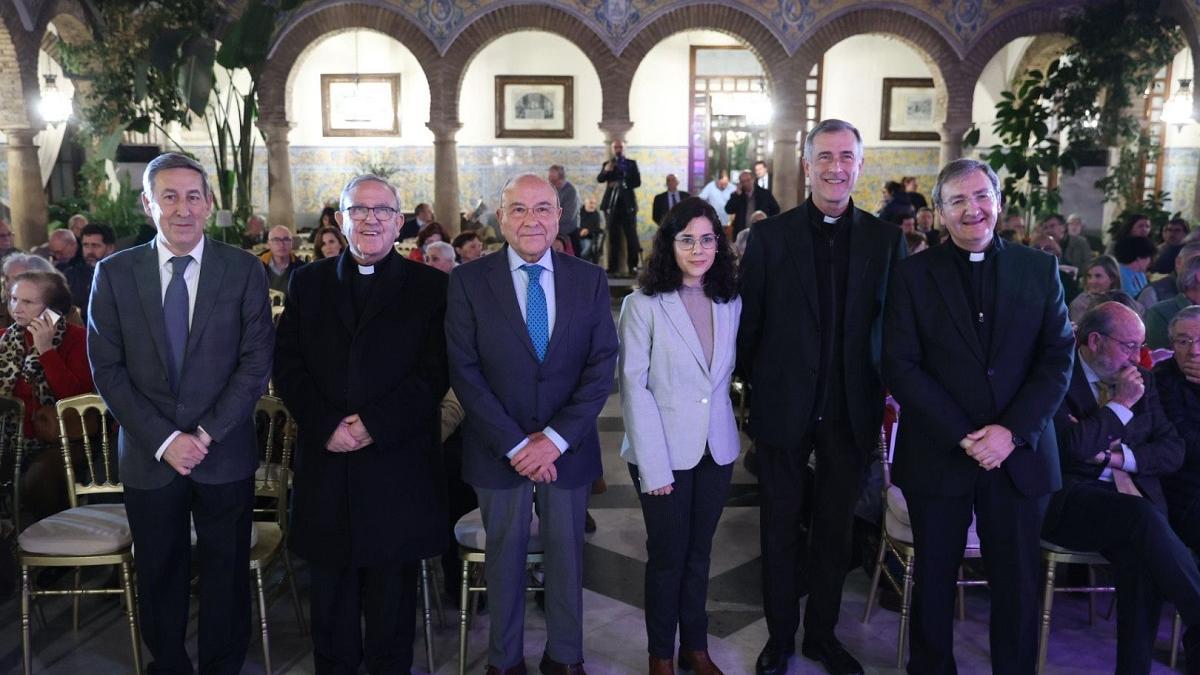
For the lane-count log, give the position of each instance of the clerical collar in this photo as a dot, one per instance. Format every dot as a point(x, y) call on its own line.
point(814, 212)
point(973, 256)
point(366, 270)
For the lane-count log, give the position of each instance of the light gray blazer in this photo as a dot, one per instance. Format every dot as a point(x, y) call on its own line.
point(674, 404)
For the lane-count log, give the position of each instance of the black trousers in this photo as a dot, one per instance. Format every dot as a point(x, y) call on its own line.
point(840, 468)
point(1150, 560)
point(161, 528)
point(1008, 524)
point(385, 596)
point(622, 228)
point(679, 533)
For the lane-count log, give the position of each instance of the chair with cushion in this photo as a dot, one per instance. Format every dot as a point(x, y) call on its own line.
point(1052, 555)
point(85, 535)
point(472, 544)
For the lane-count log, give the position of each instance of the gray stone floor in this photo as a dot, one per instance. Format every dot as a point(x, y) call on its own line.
point(613, 621)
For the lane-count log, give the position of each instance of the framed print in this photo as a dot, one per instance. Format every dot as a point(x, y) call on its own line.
point(907, 110)
point(360, 105)
point(535, 106)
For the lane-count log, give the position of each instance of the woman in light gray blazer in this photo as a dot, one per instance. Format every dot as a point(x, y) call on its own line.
point(678, 335)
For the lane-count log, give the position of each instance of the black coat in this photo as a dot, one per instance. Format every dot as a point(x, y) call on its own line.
point(620, 187)
point(660, 208)
point(384, 503)
point(779, 340)
point(934, 365)
point(737, 205)
point(1181, 403)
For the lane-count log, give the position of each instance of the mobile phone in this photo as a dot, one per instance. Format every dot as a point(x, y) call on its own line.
point(51, 316)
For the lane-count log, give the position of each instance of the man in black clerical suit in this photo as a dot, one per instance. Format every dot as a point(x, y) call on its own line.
point(619, 205)
point(977, 351)
point(1115, 442)
point(665, 201)
point(813, 284)
point(750, 197)
point(360, 361)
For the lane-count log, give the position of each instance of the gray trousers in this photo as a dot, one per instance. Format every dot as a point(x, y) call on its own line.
point(506, 519)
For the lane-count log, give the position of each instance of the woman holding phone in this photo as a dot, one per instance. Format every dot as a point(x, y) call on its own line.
point(42, 359)
point(678, 334)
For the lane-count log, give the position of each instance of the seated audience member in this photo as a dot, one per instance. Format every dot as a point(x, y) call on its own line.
point(913, 189)
point(1136, 225)
point(1099, 276)
point(561, 244)
point(429, 233)
point(279, 260)
point(1115, 443)
point(1168, 287)
point(1133, 254)
point(440, 255)
point(76, 223)
point(1075, 250)
point(329, 243)
point(7, 239)
point(1178, 381)
point(468, 246)
point(757, 216)
point(896, 205)
point(916, 242)
point(327, 220)
point(42, 359)
point(63, 248)
point(412, 227)
point(740, 244)
point(1160, 315)
point(98, 242)
point(1012, 228)
point(1076, 228)
point(1066, 274)
point(13, 266)
point(591, 224)
point(256, 232)
point(1173, 234)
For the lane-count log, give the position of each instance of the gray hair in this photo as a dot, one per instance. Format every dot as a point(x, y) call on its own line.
point(31, 263)
point(557, 168)
point(525, 176)
point(446, 248)
point(960, 168)
point(1101, 319)
point(830, 126)
point(172, 160)
point(1189, 313)
point(1189, 278)
point(64, 234)
point(344, 200)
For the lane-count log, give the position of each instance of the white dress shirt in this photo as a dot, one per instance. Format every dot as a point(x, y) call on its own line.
point(191, 278)
point(520, 281)
point(1124, 414)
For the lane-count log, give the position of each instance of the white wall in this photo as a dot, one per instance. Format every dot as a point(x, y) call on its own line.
point(853, 82)
point(527, 53)
point(658, 98)
point(996, 77)
point(1189, 135)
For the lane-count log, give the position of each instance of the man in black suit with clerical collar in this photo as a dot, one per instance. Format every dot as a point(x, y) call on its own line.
point(665, 201)
point(750, 197)
point(978, 352)
point(1115, 442)
point(813, 283)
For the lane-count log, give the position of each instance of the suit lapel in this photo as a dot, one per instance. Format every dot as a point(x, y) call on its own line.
point(677, 314)
point(1080, 391)
point(149, 285)
point(861, 247)
point(949, 285)
point(720, 314)
point(564, 304)
point(800, 241)
point(344, 300)
point(500, 279)
point(1008, 279)
point(212, 270)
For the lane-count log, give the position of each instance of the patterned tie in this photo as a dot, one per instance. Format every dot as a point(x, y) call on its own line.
point(175, 315)
point(537, 322)
point(1121, 478)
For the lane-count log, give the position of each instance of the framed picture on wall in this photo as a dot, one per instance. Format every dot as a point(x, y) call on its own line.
point(907, 110)
point(535, 106)
point(360, 105)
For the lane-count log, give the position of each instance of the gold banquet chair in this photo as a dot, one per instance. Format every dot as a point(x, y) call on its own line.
point(85, 535)
point(1052, 555)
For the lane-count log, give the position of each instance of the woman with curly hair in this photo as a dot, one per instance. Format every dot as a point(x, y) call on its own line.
point(678, 334)
point(427, 235)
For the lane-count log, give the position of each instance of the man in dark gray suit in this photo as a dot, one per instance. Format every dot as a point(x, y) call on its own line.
point(532, 391)
point(180, 341)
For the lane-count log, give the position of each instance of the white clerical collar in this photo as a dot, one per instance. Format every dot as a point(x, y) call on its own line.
point(976, 257)
point(829, 219)
point(366, 270)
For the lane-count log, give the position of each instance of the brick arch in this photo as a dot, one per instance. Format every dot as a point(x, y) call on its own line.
point(73, 19)
point(488, 27)
point(294, 40)
point(1033, 20)
point(18, 53)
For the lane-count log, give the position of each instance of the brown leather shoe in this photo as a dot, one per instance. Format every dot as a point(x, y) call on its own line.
point(661, 666)
point(698, 662)
point(549, 666)
point(518, 669)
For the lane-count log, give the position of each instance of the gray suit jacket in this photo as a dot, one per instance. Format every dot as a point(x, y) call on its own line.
point(675, 404)
point(225, 368)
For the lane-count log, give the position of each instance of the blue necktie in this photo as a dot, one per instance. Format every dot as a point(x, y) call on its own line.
point(537, 322)
point(175, 315)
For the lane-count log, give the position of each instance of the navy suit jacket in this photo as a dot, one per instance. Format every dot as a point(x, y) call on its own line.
point(225, 369)
point(506, 392)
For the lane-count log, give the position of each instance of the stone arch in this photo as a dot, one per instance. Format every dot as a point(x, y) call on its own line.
point(75, 24)
point(495, 24)
point(18, 54)
point(276, 81)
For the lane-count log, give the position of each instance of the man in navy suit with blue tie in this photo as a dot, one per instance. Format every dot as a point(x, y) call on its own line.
point(180, 341)
point(532, 350)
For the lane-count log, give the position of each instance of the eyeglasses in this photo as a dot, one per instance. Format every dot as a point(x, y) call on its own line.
point(280, 240)
point(382, 213)
point(540, 211)
point(688, 243)
point(979, 199)
point(1184, 342)
point(1128, 348)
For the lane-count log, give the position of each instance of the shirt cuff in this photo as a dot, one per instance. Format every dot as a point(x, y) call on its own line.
point(163, 448)
point(1130, 465)
point(517, 448)
point(1124, 414)
point(558, 441)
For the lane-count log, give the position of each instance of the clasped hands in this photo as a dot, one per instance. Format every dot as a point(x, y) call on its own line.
point(988, 446)
point(350, 435)
point(536, 460)
point(185, 451)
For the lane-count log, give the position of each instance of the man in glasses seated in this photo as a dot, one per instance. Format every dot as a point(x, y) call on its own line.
point(1115, 442)
point(1178, 381)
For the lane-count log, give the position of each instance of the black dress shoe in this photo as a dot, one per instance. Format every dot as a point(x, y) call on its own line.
point(773, 660)
point(833, 656)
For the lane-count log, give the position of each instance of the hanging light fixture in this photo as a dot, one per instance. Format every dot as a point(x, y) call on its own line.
point(55, 106)
point(354, 104)
point(1178, 109)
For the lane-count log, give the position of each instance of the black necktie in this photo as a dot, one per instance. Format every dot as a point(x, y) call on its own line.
point(175, 316)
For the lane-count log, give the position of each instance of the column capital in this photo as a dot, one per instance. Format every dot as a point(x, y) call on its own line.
point(615, 129)
point(274, 130)
point(19, 136)
point(444, 130)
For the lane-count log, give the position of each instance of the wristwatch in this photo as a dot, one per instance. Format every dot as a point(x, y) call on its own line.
point(1107, 459)
point(1017, 441)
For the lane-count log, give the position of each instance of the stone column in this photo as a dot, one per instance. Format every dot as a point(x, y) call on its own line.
point(446, 205)
point(25, 188)
point(280, 208)
point(952, 140)
point(785, 182)
point(615, 129)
